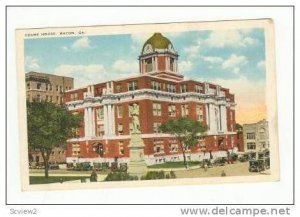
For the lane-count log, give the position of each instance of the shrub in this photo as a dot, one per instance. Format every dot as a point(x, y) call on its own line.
point(120, 176)
point(158, 175)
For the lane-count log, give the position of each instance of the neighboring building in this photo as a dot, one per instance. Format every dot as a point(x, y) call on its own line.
point(240, 140)
point(256, 136)
point(50, 88)
point(47, 87)
point(161, 94)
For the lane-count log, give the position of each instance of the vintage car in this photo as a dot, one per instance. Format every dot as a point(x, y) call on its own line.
point(256, 165)
point(84, 166)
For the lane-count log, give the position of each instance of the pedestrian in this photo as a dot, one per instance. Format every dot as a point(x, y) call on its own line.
point(93, 177)
point(223, 173)
point(205, 167)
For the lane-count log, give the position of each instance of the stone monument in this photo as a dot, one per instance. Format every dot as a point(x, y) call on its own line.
point(137, 165)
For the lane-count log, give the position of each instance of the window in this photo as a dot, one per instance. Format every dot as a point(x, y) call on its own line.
point(172, 64)
point(156, 109)
point(148, 65)
point(250, 135)
point(47, 98)
point(132, 86)
point(120, 129)
point(38, 98)
point(251, 146)
point(118, 88)
point(158, 147)
point(28, 86)
point(172, 110)
point(57, 99)
point(100, 130)
point(39, 86)
point(131, 107)
point(156, 127)
point(184, 110)
point(171, 88)
point(75, 132)
point(47, 86)
point(262, 135)
point(120, 111)
point(100, 114)
point(198, 89)
point(60, 89)
point(183, 88)
point(155, 85)
point(121, 148)
point(75, 149)
point(51, 98)
point(173, 146)
point(56, 87)
point(74, 96)
point(199, 112)
point(50, 87)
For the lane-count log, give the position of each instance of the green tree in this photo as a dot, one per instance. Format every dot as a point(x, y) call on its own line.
point(186, 132)
point(49, 126)
point(239, 127)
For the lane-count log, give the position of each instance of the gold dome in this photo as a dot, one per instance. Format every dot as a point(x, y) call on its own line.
point(158, 41)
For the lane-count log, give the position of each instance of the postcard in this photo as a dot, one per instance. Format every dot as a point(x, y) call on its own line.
point(147, 105)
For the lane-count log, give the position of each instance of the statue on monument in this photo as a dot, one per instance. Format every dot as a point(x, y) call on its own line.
point(134, 112)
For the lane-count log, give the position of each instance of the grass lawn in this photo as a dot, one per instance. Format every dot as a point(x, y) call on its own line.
point(174, 164)
point(53, 179)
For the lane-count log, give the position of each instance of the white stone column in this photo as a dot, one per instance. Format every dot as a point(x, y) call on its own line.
point(224, 118)
point(93, 133)
point(113, 120)
point(109, 114)
point(105, 119)
point(207, 115)
point(86, 123)
point(212, 119)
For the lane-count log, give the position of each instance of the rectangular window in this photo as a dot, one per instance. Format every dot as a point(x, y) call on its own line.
point(199, 112)
point(120, 129)
point(74, 96)
point(57, 99)
point(100, 130)
point(173, 147)
point(118, 88)
point(156, 127)
point(262, 135)
point(251, 146)
point(38, 86)
point(171, 88)
point(148, 65)
point(50, 87)
point(121, 148)
point(198, 89)
point(158, 147)
point(56, 87)
point(156, 109)
point(172, 64)
point(155, 85)
point(28, 86)
point(250, 135)
point(38, 98)
point(120, 111)
point(47, 86)
point(172, 110)
point(183, 88)
point(100, 114)
point(75, 149)
point(132, 86)
point(184, 110)
point(47, 98)
point(51, 98)
point(75, 132)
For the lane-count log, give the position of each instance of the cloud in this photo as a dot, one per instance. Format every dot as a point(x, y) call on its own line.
point(65, 48)
point(192, 51)
point(31, 63)
point(125, 66)
point(228, 38)
point(261, 65)
point(83, 74)
point(245, 89)
point(212, 59)
point(234, 62)
point(81, 43)
point(185, 66)
point(138, 40)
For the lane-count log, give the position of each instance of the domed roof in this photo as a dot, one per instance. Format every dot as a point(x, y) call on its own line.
point(158, 41)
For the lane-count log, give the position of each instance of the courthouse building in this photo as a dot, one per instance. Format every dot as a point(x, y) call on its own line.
point(161, 93)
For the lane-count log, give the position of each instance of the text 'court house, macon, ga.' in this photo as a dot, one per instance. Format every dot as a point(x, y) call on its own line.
point(160, 93)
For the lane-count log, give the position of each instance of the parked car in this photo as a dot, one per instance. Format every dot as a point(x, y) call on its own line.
point(53, 166)
point(256, 165)
point(84, 166)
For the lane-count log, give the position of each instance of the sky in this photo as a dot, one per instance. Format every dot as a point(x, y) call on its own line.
point(234, 59)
